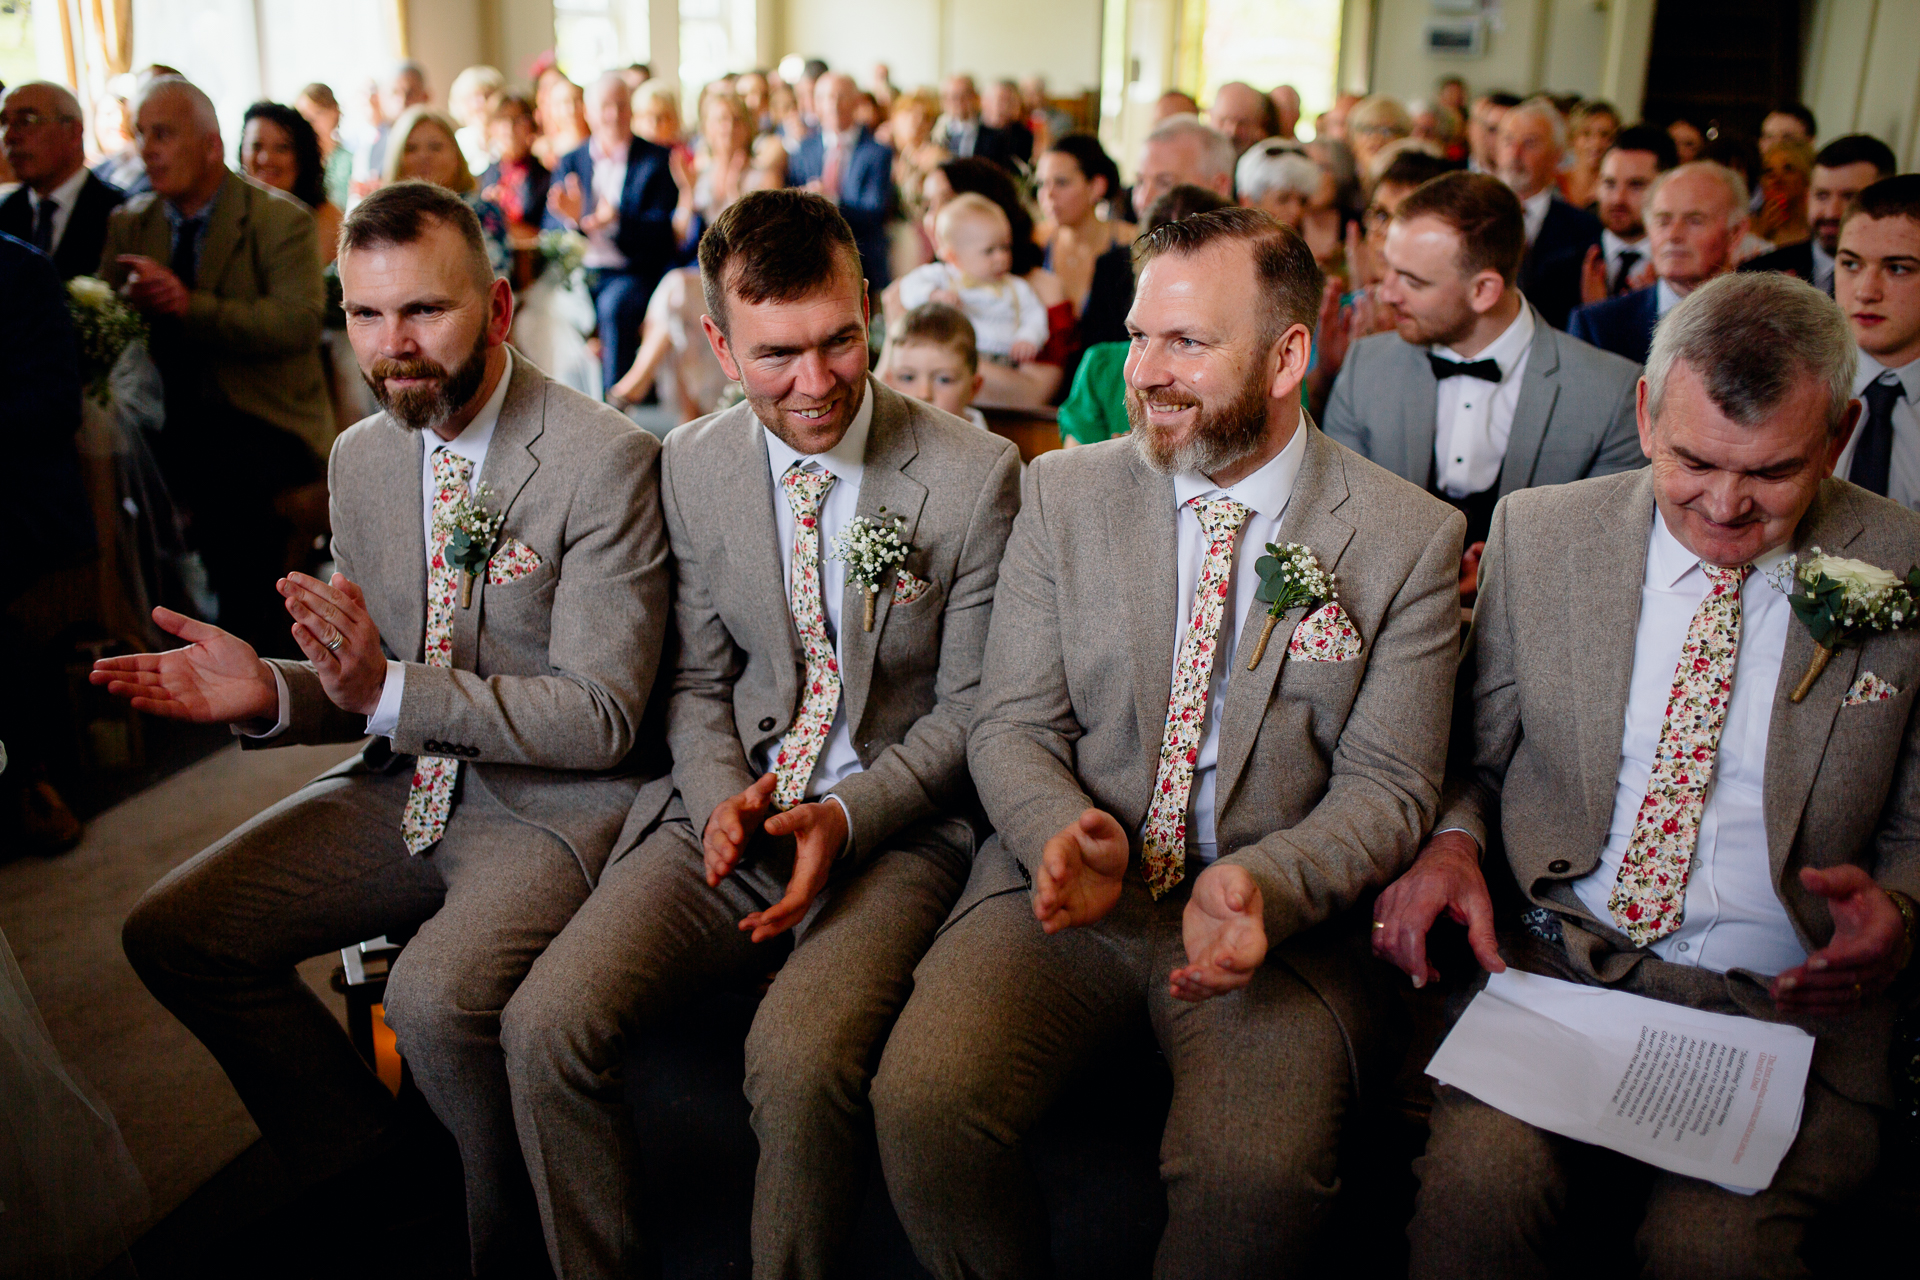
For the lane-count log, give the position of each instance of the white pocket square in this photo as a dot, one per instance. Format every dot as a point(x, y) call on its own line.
point(908, 587)
point(1325, 635)
point(512, 562)
point(1868, 688)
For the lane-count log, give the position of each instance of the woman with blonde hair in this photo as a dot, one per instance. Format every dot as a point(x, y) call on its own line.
point(422, 145)
point(1591, 128)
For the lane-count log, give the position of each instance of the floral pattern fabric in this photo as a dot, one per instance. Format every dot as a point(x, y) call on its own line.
point(1325, 635)
point(431, 799)
point(1649, 893)
point(1868, 688)
point(1164, 841)
point(908, 587)
point(801, 747)
point(512, 562)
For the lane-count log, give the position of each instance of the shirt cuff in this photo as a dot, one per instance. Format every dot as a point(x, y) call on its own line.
point(385, 719)
point(1463, 831)
point(847, 846)
point(281, 718)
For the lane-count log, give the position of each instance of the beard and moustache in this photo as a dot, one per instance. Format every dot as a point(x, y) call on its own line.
point(1221, 436)
point(426, 408)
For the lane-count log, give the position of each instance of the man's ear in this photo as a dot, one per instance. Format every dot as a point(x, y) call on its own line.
point(1485, 292)
point(1645, 420)
point(717, 339)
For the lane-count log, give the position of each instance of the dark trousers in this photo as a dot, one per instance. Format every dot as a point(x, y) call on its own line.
point(620, 302)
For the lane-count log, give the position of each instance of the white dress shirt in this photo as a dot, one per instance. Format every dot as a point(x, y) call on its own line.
point(1533, 211)
point(1612, 246)
point(63, 197)
point(1474, 419)
point(1733, 919)
point(470, 444)
point(1665, 299)
point(609, 183)
point(1267, 492)
point(847, 462)
point(1903, 475)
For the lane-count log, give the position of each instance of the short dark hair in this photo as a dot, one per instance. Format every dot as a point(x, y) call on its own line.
point(1501, 98)
point(983, 177)
point(1646, 137)
point(309, 171)
point(1183, 201)
point(1801, 112)
point(1857, 148)
point(1086, 151)
point(402, 212)
point(1485, 213)
point(778, 245)
point(1290, 280)
point(939, 325)
point(813, 68)
point(1895, 197)
point(1412, 168)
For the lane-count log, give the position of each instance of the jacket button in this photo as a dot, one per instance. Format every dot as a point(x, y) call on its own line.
point(431, 744)
point(1559, 866)
point(766, 726)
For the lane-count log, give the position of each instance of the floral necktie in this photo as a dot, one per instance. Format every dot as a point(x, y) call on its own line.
point(793, 764)
point(1164, 842)
point(431, 799)
point(1649, 894)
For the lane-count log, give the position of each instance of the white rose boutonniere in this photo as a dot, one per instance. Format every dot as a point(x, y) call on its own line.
point(869, 546)
point(1843, 601)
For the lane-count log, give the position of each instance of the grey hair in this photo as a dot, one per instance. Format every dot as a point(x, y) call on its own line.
point(1216, 148)
point(1275, 165)
point(1737, 197)
point(1751, 336)
point(1544, 108)
point(205, 118)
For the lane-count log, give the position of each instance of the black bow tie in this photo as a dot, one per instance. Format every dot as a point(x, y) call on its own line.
point(1443, 368)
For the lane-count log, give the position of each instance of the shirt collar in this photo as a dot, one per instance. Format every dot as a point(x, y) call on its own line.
point(204, 214)
point(472, 443)
point(1266, 490)
point(63, 195)
point(1534, 208)
point(846, 139)
point(1613, 246)
point(1665, 297)
point(1514, 341)
point(1871, 371)
point(1822, 260)
point(1668, 560)
point(600, 155)
point(845, 460)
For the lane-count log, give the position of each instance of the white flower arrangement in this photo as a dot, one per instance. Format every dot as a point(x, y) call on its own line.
point(1841, 601)
point(105, 325)
point(869, 546)
point(1290, 578)
point(471, 529)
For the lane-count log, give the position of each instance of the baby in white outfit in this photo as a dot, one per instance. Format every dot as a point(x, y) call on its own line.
point(975, 273)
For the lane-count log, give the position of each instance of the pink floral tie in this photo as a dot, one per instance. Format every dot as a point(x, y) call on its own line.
point(793, 765)
point(1164, 843)
point(431, 799)
point(1649, 894)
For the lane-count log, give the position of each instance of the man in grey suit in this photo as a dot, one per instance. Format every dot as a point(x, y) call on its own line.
point(1787, 865)
point(824, 816)
point(503, 671)
point(1196, 862)
point(1476, 395)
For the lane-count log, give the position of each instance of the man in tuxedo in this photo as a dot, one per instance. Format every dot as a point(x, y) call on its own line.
point(1623, 261)
point(1182, 151)
point(59, 208)
point(824, 816)
point(961, 130)
point(1474, 395)
point(845, 163)
point(617, 190)
point(1780, 892)
point(1191, 863)
point(227, 274)
point(1877, 284)
point(504, 694)
point(1696, 218)
point(1841, 170)
point(1533, 137)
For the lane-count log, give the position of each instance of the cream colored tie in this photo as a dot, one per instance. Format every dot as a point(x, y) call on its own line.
point(800, 748)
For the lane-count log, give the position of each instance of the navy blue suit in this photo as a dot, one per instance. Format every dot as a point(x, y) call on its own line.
point(1622, 325)
point(78, 253)
point(1550, 273)
point(866, 194)
point(644, 234)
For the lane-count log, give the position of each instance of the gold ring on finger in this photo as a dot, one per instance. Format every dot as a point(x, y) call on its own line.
point(334, 642)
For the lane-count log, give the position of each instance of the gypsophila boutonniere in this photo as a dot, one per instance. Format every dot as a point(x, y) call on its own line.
point(471, 529)
point(1844, 601)
point(869, 547)
point(1290, 578)
point(105, 325)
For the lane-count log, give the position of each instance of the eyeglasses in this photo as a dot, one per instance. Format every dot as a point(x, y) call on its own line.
point(27, 118)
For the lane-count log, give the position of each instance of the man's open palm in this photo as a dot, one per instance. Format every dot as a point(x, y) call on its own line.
point(1224, 927)
point(1080, 873)
point(217, 678)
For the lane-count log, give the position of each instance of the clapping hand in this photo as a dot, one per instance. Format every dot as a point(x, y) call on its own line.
point(1224, 927)
point(1078, 880)
point(217, 678)
point(1593, 276)
point(333, 628)
point(733, 822)
point(1862, 958)
point(819, 834)
point(1022, 352)
point(567, 200)
point(153, 288)
point(1445, 877)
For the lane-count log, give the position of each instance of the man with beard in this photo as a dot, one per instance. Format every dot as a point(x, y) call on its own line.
point(1842, 170)
point(1622, 262)
point(495, 625)
point(824, 821)
point(1199, 863)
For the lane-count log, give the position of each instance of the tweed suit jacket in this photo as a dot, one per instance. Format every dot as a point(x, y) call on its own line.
point(257, 300)
point(1574, 418)
point(1329, 772)
point(908, 686)
point(547, 693)
point(1550, 662)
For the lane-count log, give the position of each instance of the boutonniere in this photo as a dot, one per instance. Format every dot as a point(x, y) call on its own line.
point(1841, 601)
point(1290, 578)
point(470, 529)
point(869, 546)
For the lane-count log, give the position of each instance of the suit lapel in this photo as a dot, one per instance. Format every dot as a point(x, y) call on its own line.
point(230, 214)
point(1605, 573)
point(1539, 389)
point(1318, 491)
point(510, 463)
point(1143, 548)
point(754, 552)
point(1797, 734)
point(884, 486)
point(1422, 410)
